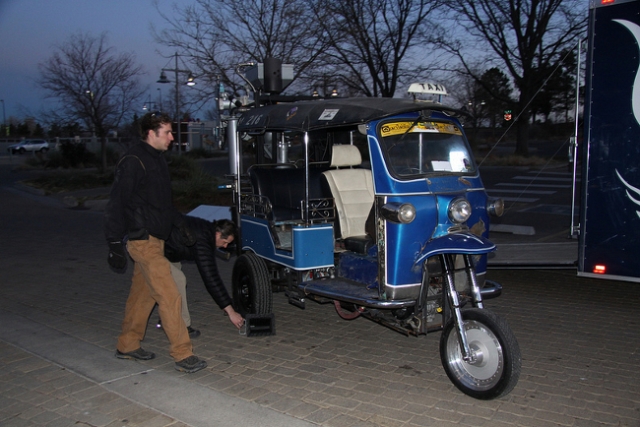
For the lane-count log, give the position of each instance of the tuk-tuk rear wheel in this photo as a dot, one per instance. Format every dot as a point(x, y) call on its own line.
point(498, 362)
point(251, 285)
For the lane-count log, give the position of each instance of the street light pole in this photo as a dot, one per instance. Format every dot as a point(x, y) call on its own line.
point(149, 105)
point(190, 82)
point(178, 120)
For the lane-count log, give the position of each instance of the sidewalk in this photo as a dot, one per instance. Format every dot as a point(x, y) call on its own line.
point(44, 383)
point(60, 314)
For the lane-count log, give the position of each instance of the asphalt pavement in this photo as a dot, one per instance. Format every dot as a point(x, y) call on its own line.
point(61, 308)
point(536, 228)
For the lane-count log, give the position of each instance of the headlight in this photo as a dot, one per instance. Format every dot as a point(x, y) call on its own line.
point(402, 213)
point(495, 206)
point(459, 210)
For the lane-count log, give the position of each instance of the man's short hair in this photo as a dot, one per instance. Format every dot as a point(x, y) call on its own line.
point(226, 228)
point(153, 121)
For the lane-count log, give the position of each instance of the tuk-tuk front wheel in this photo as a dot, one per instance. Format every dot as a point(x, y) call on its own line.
point(496, 368)
point(251, 285)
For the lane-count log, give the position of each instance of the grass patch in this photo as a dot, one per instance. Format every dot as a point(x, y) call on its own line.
point(191, 186)
point(60, 182)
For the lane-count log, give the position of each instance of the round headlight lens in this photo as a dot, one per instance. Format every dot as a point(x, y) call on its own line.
point(459, 210)
point(406, 213)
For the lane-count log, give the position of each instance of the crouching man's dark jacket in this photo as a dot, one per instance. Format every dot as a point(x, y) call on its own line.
point(203, 253)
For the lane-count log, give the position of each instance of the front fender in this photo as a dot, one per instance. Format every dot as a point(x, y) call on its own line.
point(458, 243)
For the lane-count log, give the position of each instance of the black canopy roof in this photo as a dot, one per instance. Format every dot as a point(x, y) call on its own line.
point(323, 113)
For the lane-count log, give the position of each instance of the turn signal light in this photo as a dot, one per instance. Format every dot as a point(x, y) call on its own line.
point(495, 206)
point(599, 269)
point(404, 213)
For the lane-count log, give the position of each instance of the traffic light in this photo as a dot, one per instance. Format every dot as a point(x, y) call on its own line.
point(507, 115)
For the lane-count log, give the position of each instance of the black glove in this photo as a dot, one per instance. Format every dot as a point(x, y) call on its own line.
point(188, 238)
point(117, 256)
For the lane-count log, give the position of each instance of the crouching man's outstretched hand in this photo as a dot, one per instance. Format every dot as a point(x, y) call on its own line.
point(234, 317)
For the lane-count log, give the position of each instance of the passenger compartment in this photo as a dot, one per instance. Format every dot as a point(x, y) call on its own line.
point(283, 190)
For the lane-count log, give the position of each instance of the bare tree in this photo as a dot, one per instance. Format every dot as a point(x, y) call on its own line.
point(526, 36)
point(94, 84)
point(217, 35)
point(375, 44)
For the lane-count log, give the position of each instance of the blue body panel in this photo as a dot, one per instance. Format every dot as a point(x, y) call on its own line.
point(459, 243)
point(311, 247)
point(359, 268)
point(407, 244)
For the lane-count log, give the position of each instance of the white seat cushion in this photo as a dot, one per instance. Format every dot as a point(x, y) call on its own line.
point(352, 190)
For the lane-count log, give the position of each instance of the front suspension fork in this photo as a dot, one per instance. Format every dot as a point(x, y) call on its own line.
point(448, 268)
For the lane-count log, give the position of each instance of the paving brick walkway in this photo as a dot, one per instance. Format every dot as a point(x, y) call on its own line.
point(580, 342)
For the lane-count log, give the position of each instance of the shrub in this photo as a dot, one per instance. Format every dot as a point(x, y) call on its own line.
point(181, 167)
point(199, 189)
point(76, 155)
point(198, 153)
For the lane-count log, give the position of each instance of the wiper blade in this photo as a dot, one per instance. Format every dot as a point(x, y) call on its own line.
point(415, 122)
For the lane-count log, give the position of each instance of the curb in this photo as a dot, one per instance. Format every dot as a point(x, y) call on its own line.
point(522, 230)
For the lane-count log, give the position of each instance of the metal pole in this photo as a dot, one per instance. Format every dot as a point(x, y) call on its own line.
point(218, 112)
point(178, 107)
point(235, 153)
point(575, 230)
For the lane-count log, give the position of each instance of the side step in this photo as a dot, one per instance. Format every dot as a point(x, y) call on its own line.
point(352, 292)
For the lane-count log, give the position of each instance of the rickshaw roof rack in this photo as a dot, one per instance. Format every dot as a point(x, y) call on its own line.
point(325, 113)
point(271, 76)
point(269, 99)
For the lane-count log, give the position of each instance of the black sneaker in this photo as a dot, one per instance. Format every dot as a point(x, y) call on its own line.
point(139, 354)
point(193, 333)
point(191, 364)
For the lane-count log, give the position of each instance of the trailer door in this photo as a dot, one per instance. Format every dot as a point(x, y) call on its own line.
point(610, 215)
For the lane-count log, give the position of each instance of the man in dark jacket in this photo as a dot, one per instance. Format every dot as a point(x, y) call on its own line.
point(140, 210)
point(209, 236)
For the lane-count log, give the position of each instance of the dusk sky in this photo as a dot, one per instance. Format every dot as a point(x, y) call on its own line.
point(29, 30)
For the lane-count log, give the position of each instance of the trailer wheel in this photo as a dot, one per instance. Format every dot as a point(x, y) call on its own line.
point(251, 285)
point(497, 368)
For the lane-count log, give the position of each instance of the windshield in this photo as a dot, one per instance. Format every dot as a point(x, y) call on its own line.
point(429, 147)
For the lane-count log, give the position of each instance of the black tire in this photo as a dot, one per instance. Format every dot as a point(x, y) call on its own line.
point(21, 150)
point(497, 370)
point(251, 285)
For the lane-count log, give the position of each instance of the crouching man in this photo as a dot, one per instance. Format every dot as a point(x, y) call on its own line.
point(209, 236)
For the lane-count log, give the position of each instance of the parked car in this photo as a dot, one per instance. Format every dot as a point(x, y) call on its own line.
point(39, 145)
